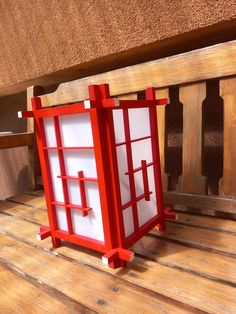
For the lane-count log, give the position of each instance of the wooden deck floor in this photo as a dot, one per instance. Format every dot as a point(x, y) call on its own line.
point(189, 269)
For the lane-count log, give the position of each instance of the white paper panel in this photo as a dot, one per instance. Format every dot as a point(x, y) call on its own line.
point(118, 120)
point(55, 171)
point(122, 169)
point(49, 132)
point(148, 209)
point(74, 192)
point(82, 160)
point(138, 179)
point(90, 226)
point(61, 218)
point(128, 221)
point(76, 130)
point(139, 122)
point(141, 150)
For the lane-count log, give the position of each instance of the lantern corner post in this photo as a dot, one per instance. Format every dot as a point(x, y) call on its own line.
point(163, 213)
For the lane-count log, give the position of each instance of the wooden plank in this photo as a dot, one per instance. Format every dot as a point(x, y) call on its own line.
point(207, 295)
point(227, 185)
point(188, 259)
point(19, 296)
point(132, 96)
point(192, 180)
point(148, 247)
point(24, 212)
point(161, 123)
point(30, 200)
point(199, 65)
point(203, 202)
point(214, 223)
point(36, 192)
point(16, 140)
point(97, 290)
point(209, 240)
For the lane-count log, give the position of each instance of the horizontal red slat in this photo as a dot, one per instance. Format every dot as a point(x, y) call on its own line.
point(85, 209)
point(78, 179)
point(69, 148)
point(139, 198)
point(140, 168)
point(134, 140)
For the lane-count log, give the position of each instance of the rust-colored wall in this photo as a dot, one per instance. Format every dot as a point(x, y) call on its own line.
point(42, 37)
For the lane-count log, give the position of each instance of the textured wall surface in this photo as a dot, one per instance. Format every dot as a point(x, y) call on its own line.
point(41, 37)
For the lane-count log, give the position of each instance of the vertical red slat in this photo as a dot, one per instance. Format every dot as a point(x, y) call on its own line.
point(102, 163)
point(130, 168)
point(150, 95)
point(145, 180)
point(82, 191)
point(115, 178)
point(45, 168)
point(63, 173)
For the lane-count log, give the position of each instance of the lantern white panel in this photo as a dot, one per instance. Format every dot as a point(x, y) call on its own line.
point(90, 226)
point(55, 171)
point(76, 130)
point(128, 221)
point(138, 180)
point(74, 192)
point(118, 120)
point(61, 218)
point(123, 178)
point(139, 122)
point(148, 209)
point(141, 150)
point(80, 160)
point(49, 132)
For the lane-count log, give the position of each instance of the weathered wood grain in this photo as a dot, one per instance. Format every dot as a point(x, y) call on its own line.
point(203, 202)
point(19, 296)
point(210, 240)
point(30, 200)
point(192, 180)
point(187, 259)
point(169, 281)
point(227, 184)
point(207, 222)
point(206, 63)
point(161, 123)
point(97, 290)
point(16, 140)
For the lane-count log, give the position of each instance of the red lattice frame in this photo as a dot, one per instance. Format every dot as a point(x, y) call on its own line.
point(100, 104)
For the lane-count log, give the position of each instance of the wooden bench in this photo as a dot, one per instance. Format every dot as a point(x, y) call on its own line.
point(198, 78)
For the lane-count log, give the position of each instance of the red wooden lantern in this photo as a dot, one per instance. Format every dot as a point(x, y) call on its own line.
point(101, 172)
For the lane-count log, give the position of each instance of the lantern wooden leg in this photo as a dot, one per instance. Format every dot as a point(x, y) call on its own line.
point(44, 233)
point(170, 215)
point(117, 257)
